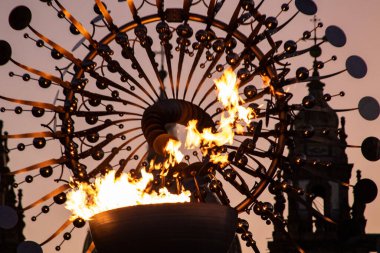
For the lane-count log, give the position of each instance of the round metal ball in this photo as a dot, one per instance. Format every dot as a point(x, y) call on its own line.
point(308, 102)
point(20, 17)
point(38, 112)
point(39, 143)
point(60, 198)
point(290, 46)
point(302, 73)
point(44, 83)
point(46, 171)
point(5, 52)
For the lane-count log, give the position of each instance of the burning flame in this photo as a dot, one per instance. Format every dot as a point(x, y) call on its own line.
point(232, 119)
point(110, 192)
point(267, 83)
point(174, 154)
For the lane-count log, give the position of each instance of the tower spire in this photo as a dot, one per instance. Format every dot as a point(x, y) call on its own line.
point(9, 238)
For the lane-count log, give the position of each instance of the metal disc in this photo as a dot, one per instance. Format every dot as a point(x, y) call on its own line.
point(5, 52)
point(365, 191)
point(8, 217)
point(20, 17)
point(29, 247)
point(369, 108)
point(307, 7)
point(356, 66)
point(335, 36)
point(371, 148)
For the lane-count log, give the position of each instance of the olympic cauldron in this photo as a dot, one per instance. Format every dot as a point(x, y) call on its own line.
point(165, 228)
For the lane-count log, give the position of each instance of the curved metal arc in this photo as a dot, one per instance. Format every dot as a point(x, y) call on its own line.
point(102, 144)
point(57, 47)
point(103, 113)
point(169, 65)
point(109, 158)
point(95, 129)
point(77, 24)
point(312, 78)
point(205, 75)
point(179, 69)
point(51, 194)
point(186, 5)
point(52, 78)
point(55, 135)
point(106, 98)
point(58, 109)
point(192, 70)
point(286, 55)
point(59, 230)
point(39, 165)
point(150, 54)
point(133, 10)
point(91, 248)
point(118, 86)
point(272, 168)
point(120, 170)
point(106, 15)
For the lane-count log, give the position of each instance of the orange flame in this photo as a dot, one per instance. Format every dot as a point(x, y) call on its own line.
point(266, 83)
point(232, 118)
point(110, 192)
point(174, 154)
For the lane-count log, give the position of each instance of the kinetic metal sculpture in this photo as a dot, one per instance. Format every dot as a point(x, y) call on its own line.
point(117, 102)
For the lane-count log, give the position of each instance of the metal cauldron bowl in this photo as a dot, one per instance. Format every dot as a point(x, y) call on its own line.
point(165, 228)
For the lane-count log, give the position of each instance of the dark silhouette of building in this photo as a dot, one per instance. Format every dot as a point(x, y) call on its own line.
point(319, 165)
point(9, 238)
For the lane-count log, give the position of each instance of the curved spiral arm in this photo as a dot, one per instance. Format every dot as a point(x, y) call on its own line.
point(115, 105)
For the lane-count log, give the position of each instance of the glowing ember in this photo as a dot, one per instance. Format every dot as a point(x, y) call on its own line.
point(108, 193)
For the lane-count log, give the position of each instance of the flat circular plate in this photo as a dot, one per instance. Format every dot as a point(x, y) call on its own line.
point(356, 66)
point(20, 17)
point(5, 52)
point(369, 108)
point(335, 36)
point(371, 149)
point(307, 7)
point(8, 217)
point(29, 247)
point(365, 191)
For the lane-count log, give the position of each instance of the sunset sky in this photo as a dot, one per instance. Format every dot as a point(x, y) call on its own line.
point(359, 20)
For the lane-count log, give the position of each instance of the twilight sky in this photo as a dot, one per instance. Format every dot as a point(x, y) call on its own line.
point(359, 20)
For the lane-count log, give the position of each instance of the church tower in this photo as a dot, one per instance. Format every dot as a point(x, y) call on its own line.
point(319, 165)
point(321, 221)
point(10, 235)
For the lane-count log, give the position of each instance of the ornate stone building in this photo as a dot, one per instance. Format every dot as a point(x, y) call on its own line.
point(9, 238)
point(319, 165)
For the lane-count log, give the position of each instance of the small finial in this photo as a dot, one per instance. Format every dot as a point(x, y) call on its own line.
point(358, 175)
point(342, 131)
point(19, 195)
point(6, 142)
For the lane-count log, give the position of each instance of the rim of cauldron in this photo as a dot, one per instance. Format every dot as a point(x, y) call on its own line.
point(165, 228)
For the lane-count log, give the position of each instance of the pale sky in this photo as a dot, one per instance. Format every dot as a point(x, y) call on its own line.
point(359, 20)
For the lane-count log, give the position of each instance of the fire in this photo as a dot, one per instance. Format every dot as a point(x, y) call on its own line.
point(110, 192)
point(174, 154)
point(267, 83)
point(232, 119)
